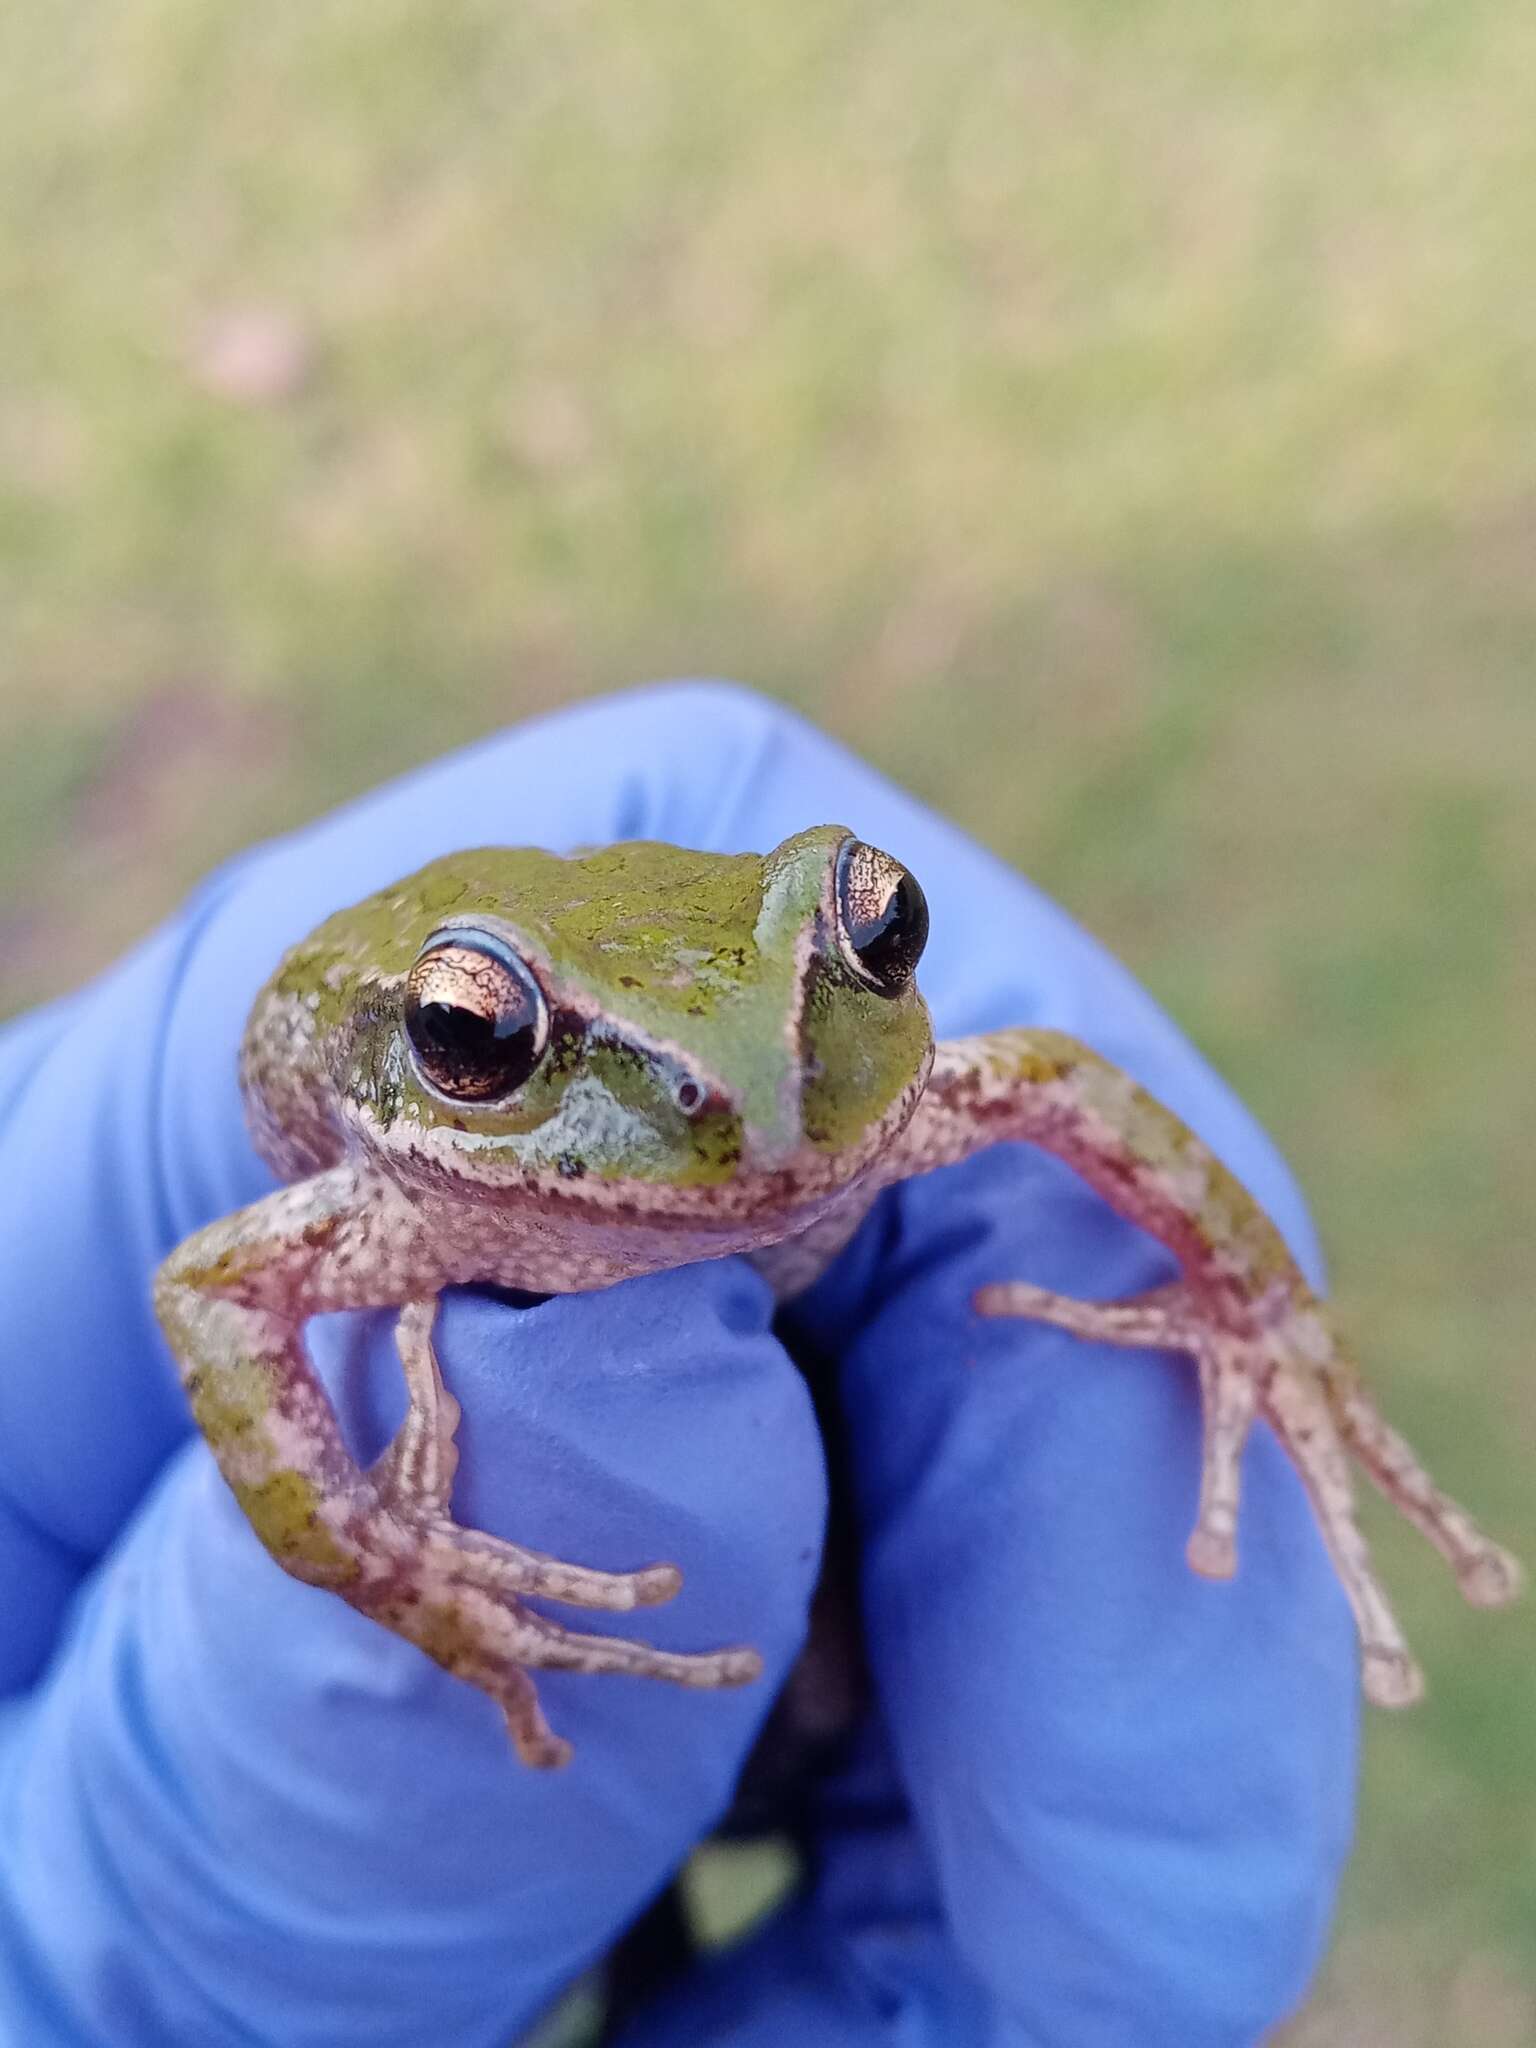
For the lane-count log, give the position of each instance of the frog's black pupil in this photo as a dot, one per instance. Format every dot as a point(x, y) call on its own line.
point(474, 1018)
point(885, 920)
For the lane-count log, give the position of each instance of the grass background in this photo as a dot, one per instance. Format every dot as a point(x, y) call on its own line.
point(1116, 420)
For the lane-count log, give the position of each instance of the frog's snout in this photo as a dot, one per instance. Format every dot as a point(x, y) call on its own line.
point(769, 1148)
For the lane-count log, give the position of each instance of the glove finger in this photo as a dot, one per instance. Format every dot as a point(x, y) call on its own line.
point(887, 1983)
point(863, 1956)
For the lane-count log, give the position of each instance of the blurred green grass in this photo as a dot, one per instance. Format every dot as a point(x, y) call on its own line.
point(1117, 421)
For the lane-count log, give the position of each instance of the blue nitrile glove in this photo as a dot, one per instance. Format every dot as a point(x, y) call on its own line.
point(1105, 1804)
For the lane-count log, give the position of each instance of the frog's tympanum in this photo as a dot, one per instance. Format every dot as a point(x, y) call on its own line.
point(554, 1074)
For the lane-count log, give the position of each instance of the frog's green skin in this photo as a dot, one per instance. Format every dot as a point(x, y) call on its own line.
point(718, 1078)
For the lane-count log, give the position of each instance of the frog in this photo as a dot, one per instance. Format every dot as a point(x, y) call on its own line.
point(556, 1072)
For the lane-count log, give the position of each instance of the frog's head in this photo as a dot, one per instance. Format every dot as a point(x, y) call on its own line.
point(731, 1034)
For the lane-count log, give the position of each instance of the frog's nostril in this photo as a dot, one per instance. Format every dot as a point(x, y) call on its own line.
point(688, 1095)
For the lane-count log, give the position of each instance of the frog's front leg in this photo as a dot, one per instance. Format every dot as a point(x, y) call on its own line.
point(232, 1301)
point(415, 1475)
point(1262, 1341)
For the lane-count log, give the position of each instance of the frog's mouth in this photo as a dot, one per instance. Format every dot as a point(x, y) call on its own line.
point(568, 1227)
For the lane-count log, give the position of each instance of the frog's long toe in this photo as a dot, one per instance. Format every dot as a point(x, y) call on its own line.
point(419, 1466)
point(546, 1644)
point(1492, 1580)
point(413, 1483)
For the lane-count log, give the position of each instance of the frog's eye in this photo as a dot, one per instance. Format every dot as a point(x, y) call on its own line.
point(475, 1016)
point(882, 917)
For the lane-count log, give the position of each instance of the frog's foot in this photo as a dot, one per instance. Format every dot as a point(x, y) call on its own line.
point(494, 1643)
point(1275, 1355)
point(459, 1593)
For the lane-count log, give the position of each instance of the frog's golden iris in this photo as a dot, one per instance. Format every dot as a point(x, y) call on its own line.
point(475, 1017)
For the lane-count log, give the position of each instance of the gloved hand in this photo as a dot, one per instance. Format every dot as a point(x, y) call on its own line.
point(1101, 1802)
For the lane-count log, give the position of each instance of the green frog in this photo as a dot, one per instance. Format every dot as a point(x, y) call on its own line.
point(554, 1073)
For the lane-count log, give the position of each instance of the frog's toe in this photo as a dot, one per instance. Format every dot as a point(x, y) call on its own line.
point(1490, 1579)
point(544, 1645)
point(1391, 1677)
point(1487, 1575)
point(656, 1584)
point(541, 1753)
point(1228, 1404)
point(1160, 1319)
point(536, 1743)
point(1212, 1553)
